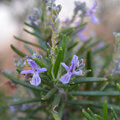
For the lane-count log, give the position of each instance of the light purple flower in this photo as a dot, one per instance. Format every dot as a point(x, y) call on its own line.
point(70, 70)
point(91, 12)
point(66, 21)
point(82, 36)
point(34, 18)
point(35, 71)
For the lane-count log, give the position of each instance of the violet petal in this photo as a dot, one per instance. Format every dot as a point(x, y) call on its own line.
point(35, 79)
point(40, 70)
point(32, 64)
point(65, 78)
point(77, 72)
point(65, 66)
point(27, 72)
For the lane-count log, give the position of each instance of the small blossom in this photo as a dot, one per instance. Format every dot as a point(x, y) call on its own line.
point(72, 70)
point(35, 71)
point(80, 6)
point(66, 21)
point(91, 12)
point(82, 36)
point(35, 17)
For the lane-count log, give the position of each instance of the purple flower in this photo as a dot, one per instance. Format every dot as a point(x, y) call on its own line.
point(35, 71)
point(34, 18)
point(91, 12)
point(66, 21)
point(82, 36)
point(70, 70)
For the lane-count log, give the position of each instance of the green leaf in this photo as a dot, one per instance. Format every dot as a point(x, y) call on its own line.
point(40, 63)
point(56, 116)
point(27, 42)
point(61, 110)
point(105, 110)
point(57, 62)
point(73, 45)
point(56, 101)
point(95, 93)
point(49, 94)
point(87, 115)
point(68, 31)
point(41, 41)
point(101, 49)
point(34, 34)
point(17, 51)
point(114, 114)
point(31, 26)
point(64, 42)
point(25, 101)
point(30, 114)
point(99, 117)
point(92, 103)
point(17, 81)
point(87, 80)
point(88, 46)
point(89, 64)
point(118, 86)
point(92, 114)
point(29, 49)
point(73, 117)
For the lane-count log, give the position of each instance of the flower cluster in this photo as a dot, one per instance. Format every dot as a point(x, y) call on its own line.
point(72, 70)
point(35, 17)
point(35, 71)
point(116, 54)
point(91, 12)
point(80, 6)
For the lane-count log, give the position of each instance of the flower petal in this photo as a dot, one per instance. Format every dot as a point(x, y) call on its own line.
point(95, 20)
point(32, 64)
point(74, 60)
point(65, 66)
point(35, 79)
point(82, 36)
point(77, 72)
point(65, 79)
point(39, 70)
point(27, 71)
point(94, 5)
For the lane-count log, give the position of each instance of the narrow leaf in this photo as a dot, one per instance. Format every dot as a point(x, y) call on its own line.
point(34, 34)
point(95, 93)
point(92, 103)
point(87, 80)
point(40, 63)
point(89, 64)
point(56, 116)
point(99, 117)
point(17, 51)
point(101, 49)
point(30, 114)
point(25, 101)
point(61, 110)
point(114, 114)
point(73, 45)
point(64, 42)
point(105, 110)
point(87, 115)
point(57, 62)
point(17, 81)
point(56, 100)
point(27, 42)
point(49, 94)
